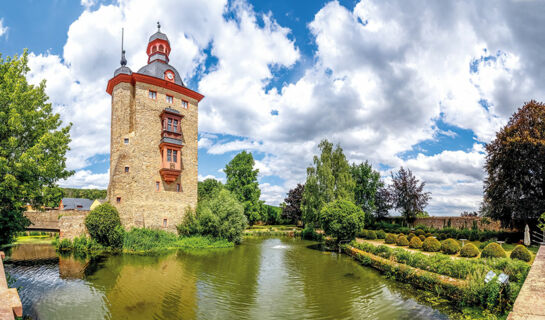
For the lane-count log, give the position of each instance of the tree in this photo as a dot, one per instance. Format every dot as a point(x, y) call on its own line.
point(514, 190)
point(342, 219)
point(273, 214)
point(91, 194)
point(329, 179)
point(383, 201)
point(292, 210)
point(408, 194)
point(33, 146)
point(367, 181)
point(209, 188)
point(242, 181)
point(104, 225)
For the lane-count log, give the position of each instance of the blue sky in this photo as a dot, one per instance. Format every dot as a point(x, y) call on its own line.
point(390, 84)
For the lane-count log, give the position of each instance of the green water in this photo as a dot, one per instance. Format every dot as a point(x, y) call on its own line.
point(260, 279)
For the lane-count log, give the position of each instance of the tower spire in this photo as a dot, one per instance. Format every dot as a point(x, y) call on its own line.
point(123, 59)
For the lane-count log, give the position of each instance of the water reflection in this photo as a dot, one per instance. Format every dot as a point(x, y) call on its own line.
point(261, 279)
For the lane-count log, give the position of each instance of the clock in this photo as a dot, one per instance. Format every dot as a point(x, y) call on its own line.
point(170, 76)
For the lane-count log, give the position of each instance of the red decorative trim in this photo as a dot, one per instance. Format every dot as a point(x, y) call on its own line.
point(158, 41)
point(169, 175)
point(137, 77)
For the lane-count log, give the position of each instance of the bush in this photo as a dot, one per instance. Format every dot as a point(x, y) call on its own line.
point(493, 250)
point(410, 236)
point(415, 243)
point(422, 237)
point(221, 217)
point(450, 246)
point(390, 238)
point(309, 233)
point(342, 219)
point(469, 251)
point(143, 239)
point(371, 235)
point(431, 245)
point(104, 226)
point(419, 232)
point(520, 252)
point(428, 235)
point(402, 241)
point(381, 234)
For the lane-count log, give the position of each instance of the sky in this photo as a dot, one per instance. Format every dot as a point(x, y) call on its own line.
point(419, 84)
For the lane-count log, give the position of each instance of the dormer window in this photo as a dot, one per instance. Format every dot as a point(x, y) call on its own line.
point(152, 95)
point(169, 99)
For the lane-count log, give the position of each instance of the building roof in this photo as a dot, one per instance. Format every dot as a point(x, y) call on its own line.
point(159, 35)
point(122, 70)
point(76, 204)
point(157, 69)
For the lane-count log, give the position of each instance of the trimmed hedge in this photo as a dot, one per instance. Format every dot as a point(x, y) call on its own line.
point(493, 250)
point(381, 234)
point(371, 235)
point(410, 236)
point(469, 251)
point(422, 237)
point(104, 226)
point(415, 243)
point(402, 241)
point(431, 245)
point(390, 238)
point(420, 232)
point(520, 252)
point(450, 246)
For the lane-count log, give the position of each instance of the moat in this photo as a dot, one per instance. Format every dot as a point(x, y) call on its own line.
point(260, 279)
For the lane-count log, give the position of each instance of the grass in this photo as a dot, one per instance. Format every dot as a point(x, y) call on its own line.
point(42, 239)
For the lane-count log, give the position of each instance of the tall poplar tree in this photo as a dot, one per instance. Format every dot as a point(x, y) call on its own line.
point(33, 146)
point(328, 180)
point(242, 181)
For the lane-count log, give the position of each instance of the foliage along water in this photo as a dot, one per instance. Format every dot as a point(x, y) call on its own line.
point(260, 279)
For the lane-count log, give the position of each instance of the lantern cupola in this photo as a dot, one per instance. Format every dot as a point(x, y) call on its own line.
point(158, 46)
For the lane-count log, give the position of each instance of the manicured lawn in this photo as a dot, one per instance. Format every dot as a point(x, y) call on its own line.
point(47, 239)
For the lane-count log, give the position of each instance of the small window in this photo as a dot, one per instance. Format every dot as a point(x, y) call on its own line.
point(169, 155)
point(126, 140)
point(165, 223)
point(79, 206)
point(126, 169)
point(174, 156)
point(169, 99)
point(157, 185)
point(161, 48)
point(118, 200)
point(178, 187)
point(153, 49)
point(169, 125)
point(175, 125)
point(184, 104)
point(152, 95)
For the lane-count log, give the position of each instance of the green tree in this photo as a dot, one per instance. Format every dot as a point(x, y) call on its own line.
point(33, 146)
point(408, 194)
point(91, 194)
point(104, 225)
point(367, 181)
point(329, 179)
point(514, 190)
point(273, 214)
point(242, 181)
point(342, 219)
point(209, 188)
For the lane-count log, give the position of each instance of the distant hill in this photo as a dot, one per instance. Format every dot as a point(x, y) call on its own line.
point(84, 193)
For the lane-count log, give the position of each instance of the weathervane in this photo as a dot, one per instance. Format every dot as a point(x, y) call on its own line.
point(123, 59)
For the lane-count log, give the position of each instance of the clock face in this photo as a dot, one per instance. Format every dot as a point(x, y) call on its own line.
point(170, 76)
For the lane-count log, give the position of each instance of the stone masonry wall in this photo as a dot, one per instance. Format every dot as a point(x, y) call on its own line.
point(458, 222)
point(137, 117)
point(69, 223)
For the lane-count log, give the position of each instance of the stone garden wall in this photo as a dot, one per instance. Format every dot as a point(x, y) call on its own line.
point(455, 222)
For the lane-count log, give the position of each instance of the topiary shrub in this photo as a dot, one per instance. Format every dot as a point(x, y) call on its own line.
point(390, 238)
point(371, 235)
point(410, 236)
point(420, 232)
point(415, 243)
point(520, 252)
point(104, 226)
point(431, 245)
point(422, 237)
point(342, 219)
point(428, 235)
point(493, 250)
point(469, 251)
point(381, 234)
point(450, 246)
point(402, 241)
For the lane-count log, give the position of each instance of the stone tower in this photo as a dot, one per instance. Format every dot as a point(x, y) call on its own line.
point(153, 146)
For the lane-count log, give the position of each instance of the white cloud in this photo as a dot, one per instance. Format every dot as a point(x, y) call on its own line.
point(87, 180)
point(379, 81)
point(202, 178)
point(3, 28)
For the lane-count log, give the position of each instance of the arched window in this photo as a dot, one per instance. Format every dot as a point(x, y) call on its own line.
point(153, 49)
point(161, 48)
